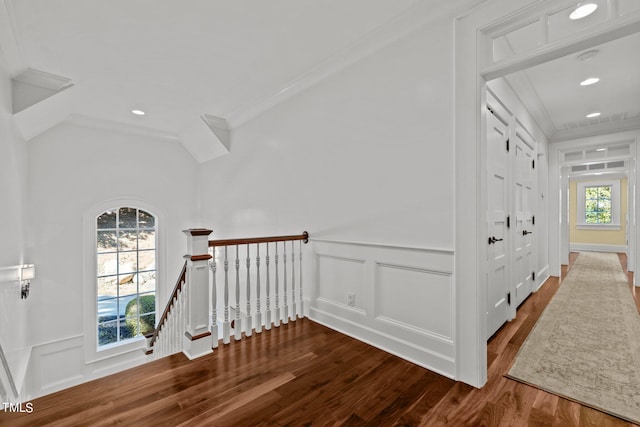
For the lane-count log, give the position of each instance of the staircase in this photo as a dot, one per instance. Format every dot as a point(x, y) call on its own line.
point(228, 289)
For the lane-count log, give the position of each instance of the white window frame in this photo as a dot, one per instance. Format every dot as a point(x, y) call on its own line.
point(581, 223)
point(134, 346)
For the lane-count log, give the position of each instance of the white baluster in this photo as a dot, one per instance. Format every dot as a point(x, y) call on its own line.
point(293, 283)
point(248, 322)
point(300, 283)
point(171, 330)
point(214, 303)
point(237, 320)
point(276, 321)
point(285, 315)
point(267, 323)
point(226, 331)
point(258, 312)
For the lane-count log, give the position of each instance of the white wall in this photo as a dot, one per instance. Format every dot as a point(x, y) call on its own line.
point(365, 155)
point(364, 162)
point(72, 169)
point(14, 322)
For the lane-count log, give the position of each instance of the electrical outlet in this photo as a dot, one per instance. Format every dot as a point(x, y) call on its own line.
point(351, 299)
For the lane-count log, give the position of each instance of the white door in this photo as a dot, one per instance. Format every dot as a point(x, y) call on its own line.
point(524, 199)
point(497, 253)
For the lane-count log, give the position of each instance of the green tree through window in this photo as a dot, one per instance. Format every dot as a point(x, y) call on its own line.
point(597, 205)
point(126, 274)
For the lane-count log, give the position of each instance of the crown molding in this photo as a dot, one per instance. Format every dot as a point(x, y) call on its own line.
point(421, 13)
point(596, 130)
point(113, 126)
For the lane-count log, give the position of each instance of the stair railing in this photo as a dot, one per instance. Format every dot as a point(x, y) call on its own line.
point(277, 287)
point(242, 305)
point(167, 337)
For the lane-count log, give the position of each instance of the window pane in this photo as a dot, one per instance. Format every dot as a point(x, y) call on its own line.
point(127, 328)
point(147, 303)
point(146, 220)
point(106, 220)
point(591, 205)
point(128, 262)
point(106, 241)
point(147, 260)
point(107, 333)
point(147, 323)
point(128, 305)
point(127, 240)
point(107, 309)
point(146, 239)
point(147, 281)
point(604, 217)
point(604, 204)
point(127, 218)
point(107, 264)
point(108, 286)
point(591, 218)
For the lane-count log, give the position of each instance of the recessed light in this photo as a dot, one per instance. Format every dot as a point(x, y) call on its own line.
point(601, 149)
point(592, 115)
point(589, 81)
point(583, 10)
point(138, 112)
point(585, 56)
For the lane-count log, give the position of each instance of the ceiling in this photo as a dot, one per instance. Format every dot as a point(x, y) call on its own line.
point(181, 60)
point(227, 61)
point(552, 92)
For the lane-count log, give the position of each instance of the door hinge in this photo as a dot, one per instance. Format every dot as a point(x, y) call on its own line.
point(508, 221)
point(490, 110)
point(507, 144)
point(533, 220)
point(509, 298)
point(533, 164)
point(533, 276)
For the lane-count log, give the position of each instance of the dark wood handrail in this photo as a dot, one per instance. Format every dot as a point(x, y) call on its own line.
point(174, 295)
point(232, 242)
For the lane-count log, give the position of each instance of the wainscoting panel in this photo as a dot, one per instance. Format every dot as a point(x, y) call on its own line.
point(399, 299)
point(61, 364)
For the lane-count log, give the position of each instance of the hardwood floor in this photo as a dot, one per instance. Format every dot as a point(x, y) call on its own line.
point(305, 374)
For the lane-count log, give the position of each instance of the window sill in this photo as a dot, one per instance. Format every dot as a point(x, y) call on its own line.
point(612, 227)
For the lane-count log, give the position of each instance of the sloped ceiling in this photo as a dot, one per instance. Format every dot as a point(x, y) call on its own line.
point(199, 68)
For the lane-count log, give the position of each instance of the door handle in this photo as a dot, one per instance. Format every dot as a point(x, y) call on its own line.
point(492, 240)
point(525, 232)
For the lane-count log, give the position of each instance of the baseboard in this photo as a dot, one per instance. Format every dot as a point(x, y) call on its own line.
point(591, 247)
point(419, 355)
point(541, 277)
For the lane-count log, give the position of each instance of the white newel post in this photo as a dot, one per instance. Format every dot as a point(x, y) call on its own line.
point(197, 337)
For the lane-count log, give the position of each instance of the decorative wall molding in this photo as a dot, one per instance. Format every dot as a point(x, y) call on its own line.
point(60, 364)
point(383, 245)
point(398, 299)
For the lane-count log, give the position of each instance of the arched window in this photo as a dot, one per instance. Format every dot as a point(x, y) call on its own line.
point(126, 274)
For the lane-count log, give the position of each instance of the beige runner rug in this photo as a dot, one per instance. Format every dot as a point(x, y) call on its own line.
point(586, 344)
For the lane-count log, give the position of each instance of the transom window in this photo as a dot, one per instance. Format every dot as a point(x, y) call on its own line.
point(126, 274)
point(597, 208)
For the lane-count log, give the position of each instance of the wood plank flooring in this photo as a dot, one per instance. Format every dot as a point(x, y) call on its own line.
point(305, 374)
